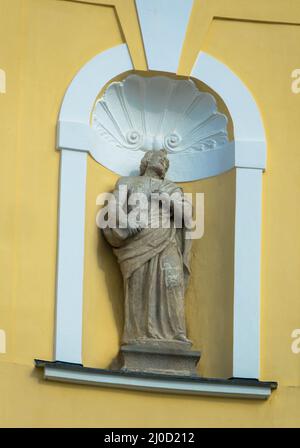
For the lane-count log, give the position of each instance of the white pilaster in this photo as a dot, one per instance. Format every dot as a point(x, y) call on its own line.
point(70, 256)
point(247, 248)
point(74, 140)
point(249, 161)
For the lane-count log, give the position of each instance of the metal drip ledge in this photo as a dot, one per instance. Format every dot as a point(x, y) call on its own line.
point(193, 385)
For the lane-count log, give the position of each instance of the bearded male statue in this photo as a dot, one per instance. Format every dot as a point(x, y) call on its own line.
point(154, 257)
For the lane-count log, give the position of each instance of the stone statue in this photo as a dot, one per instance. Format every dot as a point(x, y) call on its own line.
point(154, 259)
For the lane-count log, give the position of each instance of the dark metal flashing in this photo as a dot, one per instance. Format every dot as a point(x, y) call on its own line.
point(128, 374)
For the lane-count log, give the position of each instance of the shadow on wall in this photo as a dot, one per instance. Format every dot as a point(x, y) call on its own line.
point(107, 262)
point(209, 298)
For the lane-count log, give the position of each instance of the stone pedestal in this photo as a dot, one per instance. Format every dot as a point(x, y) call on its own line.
point(172, 358)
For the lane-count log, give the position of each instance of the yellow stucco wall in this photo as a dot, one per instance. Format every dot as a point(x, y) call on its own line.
point(43, 44)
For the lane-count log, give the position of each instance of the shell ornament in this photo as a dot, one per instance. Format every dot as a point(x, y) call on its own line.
point(144, 113)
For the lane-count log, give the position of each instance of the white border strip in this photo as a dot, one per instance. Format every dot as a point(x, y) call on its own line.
point(163, 24)
point(167, 385)
point(82, 92)
point(73, 138)
point(70, 261)
point(246, 118)
point(249, 152)
point(246, 315)
point(250, 160)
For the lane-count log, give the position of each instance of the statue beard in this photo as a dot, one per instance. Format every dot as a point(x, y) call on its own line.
point(159, 169)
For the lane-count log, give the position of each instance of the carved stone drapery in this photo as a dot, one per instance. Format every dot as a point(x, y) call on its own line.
point(155, 263)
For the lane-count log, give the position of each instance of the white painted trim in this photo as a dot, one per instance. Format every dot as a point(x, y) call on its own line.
point(73, 137)
point(247, 121)
point(249, 160)
point(163, 24)
point(165, 385)
point(247, 247)
point(250, 154)
point(248, 150)
point(247, 153)
point(183, 167)
point(68, 336)
point(82, 92)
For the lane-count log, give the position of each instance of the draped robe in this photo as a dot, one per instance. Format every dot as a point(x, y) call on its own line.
point(155, 268)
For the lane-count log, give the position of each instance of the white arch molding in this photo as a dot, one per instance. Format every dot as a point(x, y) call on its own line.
point(247, 154)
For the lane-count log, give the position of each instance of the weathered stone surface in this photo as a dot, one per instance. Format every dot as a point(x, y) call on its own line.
point(160, 359)
point(154, 262)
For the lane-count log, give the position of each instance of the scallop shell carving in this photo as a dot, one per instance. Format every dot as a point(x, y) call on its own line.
point(142, 113)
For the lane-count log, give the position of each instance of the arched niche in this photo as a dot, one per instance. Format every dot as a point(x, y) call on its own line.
point(246, 153)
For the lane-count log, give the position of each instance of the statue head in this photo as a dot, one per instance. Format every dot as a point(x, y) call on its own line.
point(155, 160)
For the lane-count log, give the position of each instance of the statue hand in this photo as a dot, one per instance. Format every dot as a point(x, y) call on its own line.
point(134, 230)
